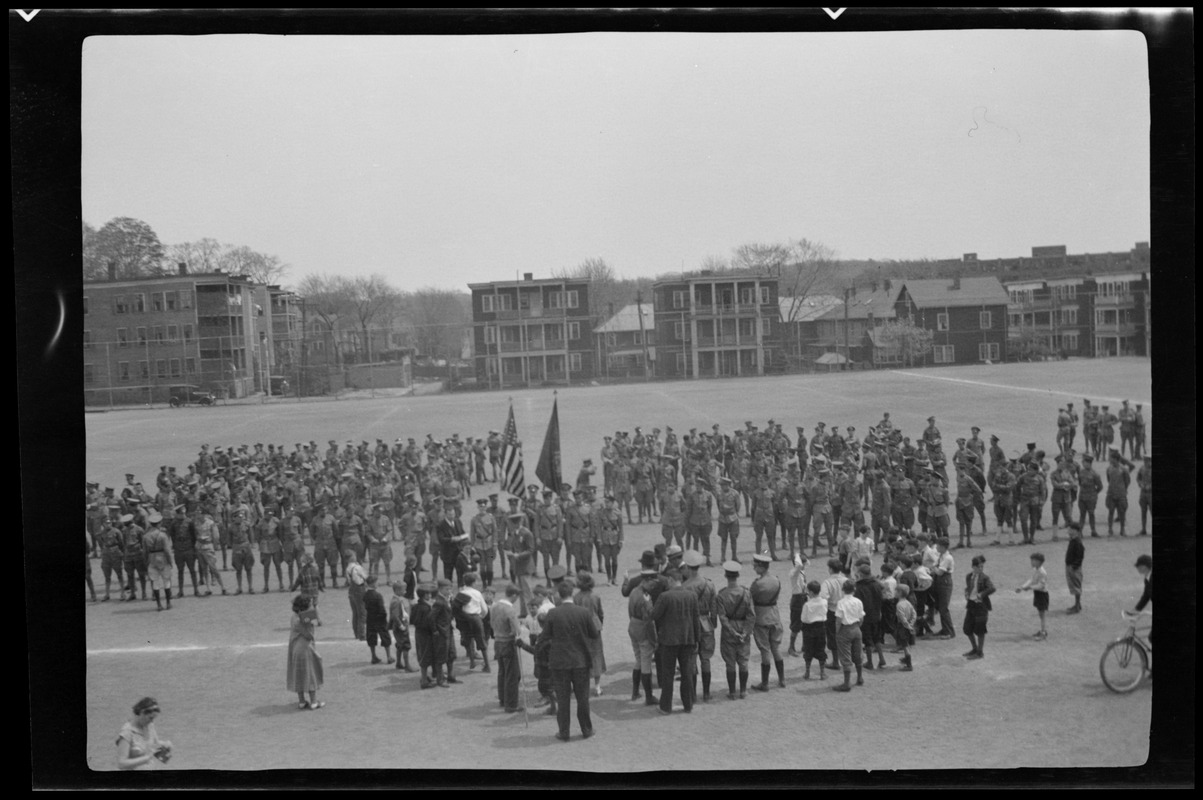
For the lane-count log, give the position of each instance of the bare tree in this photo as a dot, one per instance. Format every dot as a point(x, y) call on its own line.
point(259, 267)
point(606, 290)
point(326, 297)
point(203, 255)
point(371, 300)
point(802, 267)
point(130, 245)
point(438, 319)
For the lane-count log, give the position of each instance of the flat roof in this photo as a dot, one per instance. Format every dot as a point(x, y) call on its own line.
point(511, 284)
point(726, 278)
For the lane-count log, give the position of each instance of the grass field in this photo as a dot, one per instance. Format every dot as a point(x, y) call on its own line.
point(216, 665)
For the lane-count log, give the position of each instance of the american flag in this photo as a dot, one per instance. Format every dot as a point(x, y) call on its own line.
point(513, 477)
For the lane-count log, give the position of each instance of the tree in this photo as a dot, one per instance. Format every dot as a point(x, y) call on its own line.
point(326, 297)
point(371, 300)
point(259, 267)
point(912, 341)
point(1028, 344)
point(802, 267)
point(130, 245)
point(606, 291)
point(203, 255)
point(438, 319)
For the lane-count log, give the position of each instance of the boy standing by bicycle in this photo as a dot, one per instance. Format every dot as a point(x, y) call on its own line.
point(1038, 584)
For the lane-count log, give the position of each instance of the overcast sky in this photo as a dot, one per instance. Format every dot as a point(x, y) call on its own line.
point(439, 161)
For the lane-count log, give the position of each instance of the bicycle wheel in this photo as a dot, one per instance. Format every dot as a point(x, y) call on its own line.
point(1123, 665)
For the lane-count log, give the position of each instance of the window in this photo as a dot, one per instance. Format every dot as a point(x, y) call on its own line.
point(944, 354)
point(123, 370)
point(680, 298)
point(119, 305)
point(611, 340)
point(942, 322)
point(85, 304)
point(509, 334)
point(144, 370)
point(141, 336)
point(1021, 295)
point(156, 301)
point(490, 334)
point(524, 301)
point(1069, 316)
point(574, 299)
point(123, 337)
point(574, 330)
point(637, 337)
point(158, 333)
point(188, 332)
point(555, 333)
point(764, 295)
point(1068, 292)
point(190, 366)
point(574, 362)
point(747, 329)
point(185, 298)
point(87, 339)
point(175, 368)
point(1069, 341)
point(491, 366)
point(140, 303)
point(987, 351)
point(173, 333)
point(766, 326)
point(487, 303)
point(89, 374)
point(161, 367)
point(985, 320)
point(745, 296)
point(681, 331)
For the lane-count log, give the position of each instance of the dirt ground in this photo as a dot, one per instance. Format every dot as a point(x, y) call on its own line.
point(217, 664)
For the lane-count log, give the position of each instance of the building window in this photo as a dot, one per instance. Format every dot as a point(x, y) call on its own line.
point(574, 330)
point(188, 332)
point(611, 340)
point(764, 295)
point(745, 296)
point(156, 301)
point(747, 328)
point(987, 351)
point(1016, 320)
point(123, 371)
point(171, 300)
point(85, 304)
point(487, 304)
point(524, 301)
point(87, 339)
point(185, 298)
point(766, 326)
point(161, 367)
point(190, 366)
point(140, 303)
point(89, 374)
point(681, 331)
point(1021, 295)
point(173, 333)
point(680, 298)
point(1069, 316)
point(554, 333)
point(574, 299)
point(141, 336)
point(490, 334)
point(574, 362)
point(491, 366)
point(123, 337)
point(119, 305)
point(1068, 292)
point(175, 368)
point(1069, 341)
point(158, 331)
point(144, 370)
point(942, 322)
point(637, 337)
point(943, 354)
point(985, 320)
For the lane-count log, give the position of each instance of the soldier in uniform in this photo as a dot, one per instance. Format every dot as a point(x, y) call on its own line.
point(764, 516)
point(549, 530)
point(672, 514)
point(1002, 484)
point(379, 529)
point(207, 534)
point(698, 520)
point(1139, 424)
point(1090, 427)
point(579, 534)
point(156, 547)
point(707, 616)
point(767, 631)
point(968, 493)
point(931, 434)
point(905, 499)
point(111, 543)
point(610, 537)
point(1118, 480)
point(324, 528)
point(644, 493)
point(134, 557)
point(641, 629)
point(352, 537)
point(727, 501)
point(1089, 487)
point(997, 456)
point(975, 443)
point(292, 541)
point(1064, 484)
point(1127, 429)
point(733, 606)
point(851, 491)
point(267, 535)
point(483, 538)
point(584, 478)
point(882, 498)
point(241, 557)
point(521, 547)
point(623, 486)
point(1063, 423)
point(819, 497)
point(1031, 487)
point(1144, 479)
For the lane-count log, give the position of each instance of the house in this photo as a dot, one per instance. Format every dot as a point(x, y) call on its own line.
point(967, 317)
point(851, 328)
point(531, 332)
point(145, 335)
point(799, 324)
point(1085, 315)
point(626, 342)
point(711, 325)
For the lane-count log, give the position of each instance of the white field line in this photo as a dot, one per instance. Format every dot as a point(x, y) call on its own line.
point(184, 648)
point(1146, 403)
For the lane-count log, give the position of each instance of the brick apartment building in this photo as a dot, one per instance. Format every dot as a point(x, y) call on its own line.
point(531, 332)
point(143, 336)
point(710, 326)
point(967, 317)
point(1085, 315)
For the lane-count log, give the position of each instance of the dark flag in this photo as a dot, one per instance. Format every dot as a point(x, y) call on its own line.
point(513, 479)
point(548, 470)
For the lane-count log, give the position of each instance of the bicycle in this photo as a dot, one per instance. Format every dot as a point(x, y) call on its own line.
point(1125, 662)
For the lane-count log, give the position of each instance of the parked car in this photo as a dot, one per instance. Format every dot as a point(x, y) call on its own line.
point(189, 394)
point(280, 386)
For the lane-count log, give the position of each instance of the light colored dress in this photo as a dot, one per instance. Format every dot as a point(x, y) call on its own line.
point(304, 663)
point(141, 744)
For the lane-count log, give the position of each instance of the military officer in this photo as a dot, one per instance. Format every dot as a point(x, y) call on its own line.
point(707, 616)
point(735, 611)
point(767, 630)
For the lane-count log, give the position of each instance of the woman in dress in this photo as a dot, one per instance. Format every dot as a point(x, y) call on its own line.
point(585, 597)
point(138, 744)
point(304, 663)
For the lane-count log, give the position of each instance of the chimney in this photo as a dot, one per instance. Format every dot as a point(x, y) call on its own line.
point(888, 284)
point(956, 283)
point(528, 276)
point(183, 267)
point(112, 270)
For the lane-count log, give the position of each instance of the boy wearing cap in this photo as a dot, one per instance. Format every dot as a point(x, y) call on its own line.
point(978, 588)
point(812, 618)
point(376, 621)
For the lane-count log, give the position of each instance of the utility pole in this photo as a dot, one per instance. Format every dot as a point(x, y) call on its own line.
point(643, 336)
point(847, 343)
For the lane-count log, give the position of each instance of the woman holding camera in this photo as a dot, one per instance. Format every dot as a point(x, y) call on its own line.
point(138, 744)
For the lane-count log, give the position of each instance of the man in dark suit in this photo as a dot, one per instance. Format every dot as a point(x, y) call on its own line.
point(678, 629)
point(570, 627)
